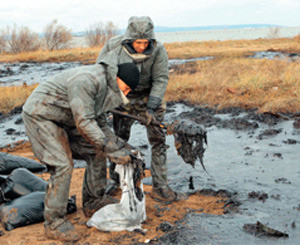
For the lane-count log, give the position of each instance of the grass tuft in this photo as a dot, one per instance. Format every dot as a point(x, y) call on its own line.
point(14, 96)
point(270, 85)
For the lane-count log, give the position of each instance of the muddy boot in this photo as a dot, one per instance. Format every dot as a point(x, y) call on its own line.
point(166, 194)
point(63, 230)
point(91, 208)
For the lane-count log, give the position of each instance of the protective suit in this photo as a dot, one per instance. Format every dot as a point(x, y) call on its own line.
point(64, 118)
point(153, 66)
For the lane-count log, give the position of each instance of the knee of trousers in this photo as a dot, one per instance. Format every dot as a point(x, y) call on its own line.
point(62, 169)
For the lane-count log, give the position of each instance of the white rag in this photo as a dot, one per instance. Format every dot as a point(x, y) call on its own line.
point(129, 213)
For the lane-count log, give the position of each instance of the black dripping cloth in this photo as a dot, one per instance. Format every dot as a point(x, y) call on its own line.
point(129, 73)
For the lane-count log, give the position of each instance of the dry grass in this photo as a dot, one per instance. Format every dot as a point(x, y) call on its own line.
point(11, 97)
point(86, 55)
point(227, 80)
point(183, 50)
point(230, 48)
point(270, 85)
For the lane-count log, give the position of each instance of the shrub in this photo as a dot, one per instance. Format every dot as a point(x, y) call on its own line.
point(3, 40)
point(111, 30)
point(22, 39)
point(98, 34)
point(274, 32)
point(95, 35)
point(297, 37)
point(57, 36)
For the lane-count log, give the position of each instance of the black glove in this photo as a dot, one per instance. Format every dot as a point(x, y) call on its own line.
point(111, 146)
point(116, 152)
point(121, 156)
point(150, 116)
point(152, 105)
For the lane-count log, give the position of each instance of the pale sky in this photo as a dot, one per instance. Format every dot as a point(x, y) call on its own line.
point(79, 15)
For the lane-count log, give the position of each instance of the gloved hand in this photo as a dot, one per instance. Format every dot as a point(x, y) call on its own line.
point(150, 116)
point(112, 146)
point(120, 156)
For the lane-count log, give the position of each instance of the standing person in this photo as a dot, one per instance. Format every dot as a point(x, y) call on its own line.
point(139, 46)
point(64, 118)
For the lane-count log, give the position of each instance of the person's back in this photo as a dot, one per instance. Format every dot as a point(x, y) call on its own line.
point(51, 99)
point(65, 118)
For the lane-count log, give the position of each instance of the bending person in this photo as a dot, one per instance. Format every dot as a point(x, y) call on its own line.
point(64, 118)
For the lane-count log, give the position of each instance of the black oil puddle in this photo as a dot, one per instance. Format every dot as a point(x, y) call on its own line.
point(253, 157)
point(271, 55)
point(35, 72)
point(30, 72)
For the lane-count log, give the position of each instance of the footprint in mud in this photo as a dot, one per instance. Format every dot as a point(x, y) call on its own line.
point(268, 133)
point(262, 196)
point(261, 230)
point(296, 123)
point(290, 141)
point(283, 181)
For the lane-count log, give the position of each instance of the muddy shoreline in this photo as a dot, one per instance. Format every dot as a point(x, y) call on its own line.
point(19, 73)
point(252, 157)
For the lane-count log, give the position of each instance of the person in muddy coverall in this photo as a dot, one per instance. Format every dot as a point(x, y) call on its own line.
point(64, 118)
point(139, 46)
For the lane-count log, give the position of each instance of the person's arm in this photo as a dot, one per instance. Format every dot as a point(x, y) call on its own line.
point(82, 90)
point(103, 51)
point(160, 78)
point(109, 134)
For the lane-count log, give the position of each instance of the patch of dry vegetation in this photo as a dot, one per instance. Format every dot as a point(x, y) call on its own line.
point(14, 96)
point(88, 55)
point(182, 50)
point(270, 85)
point(22, 39)
point(229, 79)
point(98, 34)
point(230, 48)
point(57, 36)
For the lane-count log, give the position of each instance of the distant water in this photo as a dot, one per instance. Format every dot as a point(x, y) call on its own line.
point(226, 34)
point(206, 35)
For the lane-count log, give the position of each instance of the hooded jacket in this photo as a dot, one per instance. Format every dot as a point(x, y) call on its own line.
point(78, 97)
point(153, 63)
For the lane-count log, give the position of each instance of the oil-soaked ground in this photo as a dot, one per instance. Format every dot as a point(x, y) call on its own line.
point(253, 157)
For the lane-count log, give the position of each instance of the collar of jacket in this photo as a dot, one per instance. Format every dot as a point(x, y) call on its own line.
point(124, 98)
point(137, 57)
point(127, 43)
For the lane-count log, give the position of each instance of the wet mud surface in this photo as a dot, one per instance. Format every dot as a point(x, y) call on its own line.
point(253, 156)
point(253, 159)
point(30, 72)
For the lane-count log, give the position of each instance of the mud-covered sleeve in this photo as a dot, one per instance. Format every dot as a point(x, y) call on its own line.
point(103, 52)
point(108, 132)
point(160, 74)
point(82, 91)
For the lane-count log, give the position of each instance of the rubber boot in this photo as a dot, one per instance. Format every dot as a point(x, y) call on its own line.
point(91, 208)
point(63, 230)
point(166, 194)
